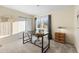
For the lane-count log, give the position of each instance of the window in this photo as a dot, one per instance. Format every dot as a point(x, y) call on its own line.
point(42, 24)
point(18, 26)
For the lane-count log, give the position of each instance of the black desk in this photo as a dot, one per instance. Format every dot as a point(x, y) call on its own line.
point(38, 35)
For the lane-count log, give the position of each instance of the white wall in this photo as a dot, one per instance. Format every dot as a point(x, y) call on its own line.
point(76, 22)
point(64, 18)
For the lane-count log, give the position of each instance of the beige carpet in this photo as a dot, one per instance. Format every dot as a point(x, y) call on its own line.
point(14, 45)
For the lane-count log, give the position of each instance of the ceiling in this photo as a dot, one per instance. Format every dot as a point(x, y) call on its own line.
point(36, 9)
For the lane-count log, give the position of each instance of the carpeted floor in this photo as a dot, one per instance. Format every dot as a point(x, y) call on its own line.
point(14, 45)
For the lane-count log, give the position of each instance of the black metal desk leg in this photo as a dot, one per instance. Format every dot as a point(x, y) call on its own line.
point(23, 38)
point(31, 38)
point(42, 44)
point(49, 43)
